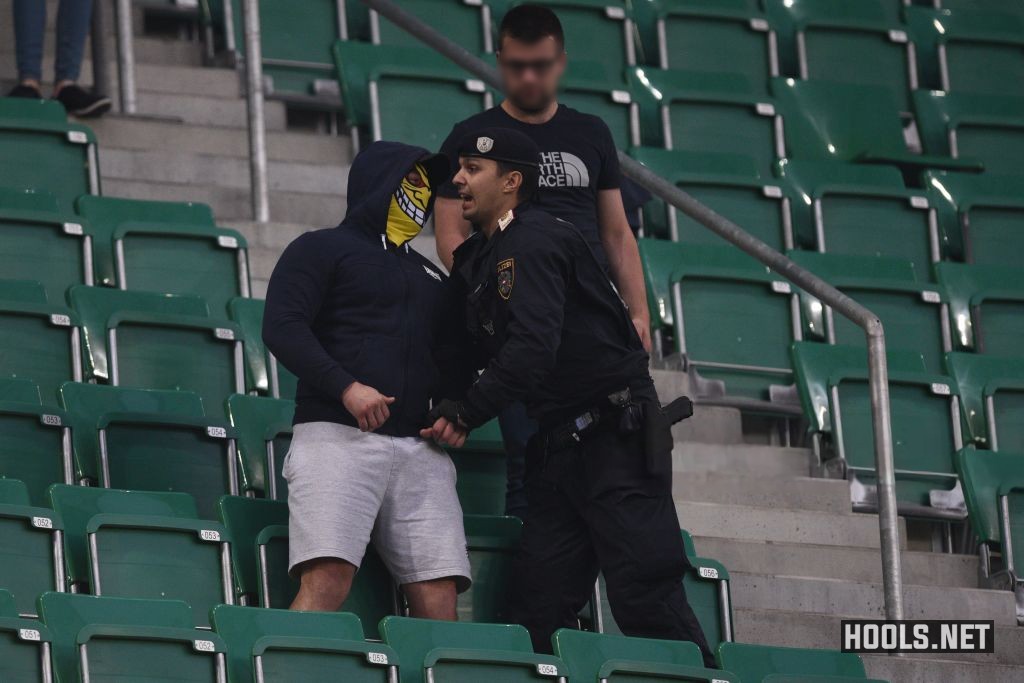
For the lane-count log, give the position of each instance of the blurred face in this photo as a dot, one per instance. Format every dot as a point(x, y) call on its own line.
point(484, 191)
point(531, 71)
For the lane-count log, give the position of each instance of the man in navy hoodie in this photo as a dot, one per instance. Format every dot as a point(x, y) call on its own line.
point(362, 320)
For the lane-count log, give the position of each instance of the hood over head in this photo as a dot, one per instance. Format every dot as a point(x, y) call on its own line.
point(376, 174)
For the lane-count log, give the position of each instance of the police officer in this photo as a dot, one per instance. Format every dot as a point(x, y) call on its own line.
point(550, 330)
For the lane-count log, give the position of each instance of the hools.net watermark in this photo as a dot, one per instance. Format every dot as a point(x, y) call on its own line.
point(879, 635)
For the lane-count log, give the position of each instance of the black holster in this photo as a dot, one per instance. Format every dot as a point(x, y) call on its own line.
point(658, 421)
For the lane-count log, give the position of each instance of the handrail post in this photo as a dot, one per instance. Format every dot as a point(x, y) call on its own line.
point(100, 68)
point(254, 109)
point(125, 56)
point(878, 380)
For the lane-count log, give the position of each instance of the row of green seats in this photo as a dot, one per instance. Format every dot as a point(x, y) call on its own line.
point(107, 638)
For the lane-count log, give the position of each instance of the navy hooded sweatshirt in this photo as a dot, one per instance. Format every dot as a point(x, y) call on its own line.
point(345, 305)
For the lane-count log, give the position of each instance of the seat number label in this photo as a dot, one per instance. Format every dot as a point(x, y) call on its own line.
point(930, 297)
point(377, 658)
point(29, 634)
point(227, 241)
point(217, 432)
point(73, 228)
point(223, 333)
point(547, 669)
point(204, 646)
point(209, 535)
point(781, 287)
point(78, 137)
point(51, 420)
point(707, 572)
point(60, 319)
point(621, 97)
point(940, 389)
point(42, 522)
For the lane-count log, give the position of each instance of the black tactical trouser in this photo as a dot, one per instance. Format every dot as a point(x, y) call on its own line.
point(594, 507)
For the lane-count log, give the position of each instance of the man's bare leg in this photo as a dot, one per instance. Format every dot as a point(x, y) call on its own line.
point(433, 599)
point(325, 583)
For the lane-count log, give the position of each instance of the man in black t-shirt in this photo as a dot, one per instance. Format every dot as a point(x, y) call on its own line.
point(579, 179)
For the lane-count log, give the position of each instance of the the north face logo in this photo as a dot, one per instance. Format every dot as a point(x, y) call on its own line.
point(561, 169)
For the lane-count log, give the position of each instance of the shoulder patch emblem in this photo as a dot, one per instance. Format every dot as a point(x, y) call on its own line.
point(506, 277)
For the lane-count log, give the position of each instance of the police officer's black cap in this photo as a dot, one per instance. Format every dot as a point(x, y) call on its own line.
point(500, 144)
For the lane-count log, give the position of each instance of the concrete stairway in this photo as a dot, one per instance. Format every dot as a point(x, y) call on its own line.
point(800, 561)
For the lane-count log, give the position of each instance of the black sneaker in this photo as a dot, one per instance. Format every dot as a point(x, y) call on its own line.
point(26, 91)
point(82, 103)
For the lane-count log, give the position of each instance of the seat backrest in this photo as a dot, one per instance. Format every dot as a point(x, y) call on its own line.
point(986, 477)
point(992, 398)
point(23, 291)
point(88, 403)
point(260, 421)
point(248, 314)
point(13, 492)
point(67, 614)
point(245, 518)
point(584, 652)
point(42, 150)
point(482, 471)
point(15, 390)
point(464, 21)
point(754, 662)
point(985, 307)
point(491, 541)
point(837, 121)
point(7, 608)
point(247, 630)
point(978, 127)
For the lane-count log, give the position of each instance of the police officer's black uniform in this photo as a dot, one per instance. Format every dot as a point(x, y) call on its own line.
point(551, 331)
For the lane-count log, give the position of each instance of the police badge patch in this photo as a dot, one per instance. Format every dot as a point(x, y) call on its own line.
point(506, 277)
point(484, 144)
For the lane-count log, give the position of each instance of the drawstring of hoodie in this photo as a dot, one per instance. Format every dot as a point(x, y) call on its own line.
point(384, 243)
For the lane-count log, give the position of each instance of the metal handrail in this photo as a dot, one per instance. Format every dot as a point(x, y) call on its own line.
point(888, 521)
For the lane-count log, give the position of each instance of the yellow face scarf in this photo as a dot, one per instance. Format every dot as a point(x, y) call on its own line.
point(408, 210)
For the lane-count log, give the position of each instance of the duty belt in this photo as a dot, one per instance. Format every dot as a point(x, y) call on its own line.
point(575, 430)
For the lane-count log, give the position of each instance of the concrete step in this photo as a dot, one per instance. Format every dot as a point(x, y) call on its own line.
point(147, 51)
point(738, 488)
point(206, 110)
point(167, 76)
point(798, 629)
point(708, 423)
point(864, 600)
point(748, 523)
point(846, 564)
point(751, 460)
point(202, 169)
point(234, 203)
point(135, 133)
point(919, 670)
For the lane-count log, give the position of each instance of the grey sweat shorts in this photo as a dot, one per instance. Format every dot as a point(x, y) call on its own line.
point(347, 488)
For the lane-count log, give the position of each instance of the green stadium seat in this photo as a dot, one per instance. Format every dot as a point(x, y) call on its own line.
point(259, 530)
point(265, 374)
point(438, 92)
point(597, 658)
point(264, 427)
point(975, 51)
point(35, 440)
point(714, 36)
point(827, 121)
point(117, 639)
point(856, 43)
point(994, 490)
point(992, 397)
point(166, 247)
point(861, 210)
point(454, 652)
point(701, 112)
point(138, 544)
point(986, 307)
point(981, 129)
point(24, 645)
point(707, 590)
point(31, 552)
point(586, 88)
point(595, 30)
point(739, 322)
point(924, 406)
point(981, 217)
point(39, 340)
point(729, 184)
point(41, 242)
point(156, 341)
point(42, 150)
point(483, 471)
point(491, 542)
point(1012, 6)
point(281, 645)
point(468, 22)
point(758, 662)
point(151, 440)
point(911, 311)
point(296, 46)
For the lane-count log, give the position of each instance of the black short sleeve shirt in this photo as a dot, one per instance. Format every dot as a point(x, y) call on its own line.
point(578, 159)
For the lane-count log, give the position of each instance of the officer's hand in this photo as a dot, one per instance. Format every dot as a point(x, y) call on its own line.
point(367, 405)
point(445, 433)
point(644, 330)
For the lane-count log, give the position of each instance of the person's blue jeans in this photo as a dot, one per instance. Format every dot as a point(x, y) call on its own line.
point(516, 430)
point(72, 26)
